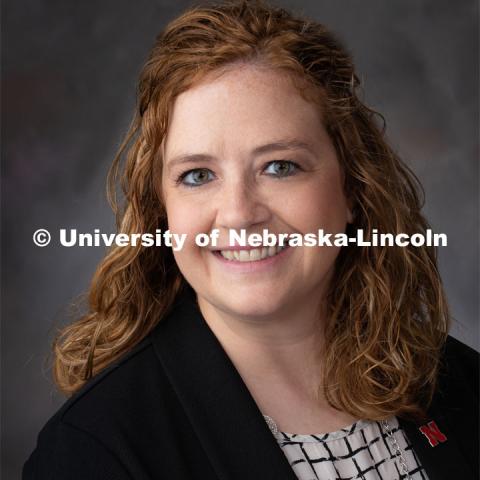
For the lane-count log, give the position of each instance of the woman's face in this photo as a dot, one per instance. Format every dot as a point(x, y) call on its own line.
point(244, 150)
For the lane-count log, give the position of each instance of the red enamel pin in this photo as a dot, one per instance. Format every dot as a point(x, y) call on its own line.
point(433, 433)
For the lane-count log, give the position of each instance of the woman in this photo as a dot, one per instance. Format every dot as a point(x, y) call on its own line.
point(296, 362)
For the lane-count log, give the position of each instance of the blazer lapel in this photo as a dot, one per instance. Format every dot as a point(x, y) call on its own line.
point(224, 415)
point(440, 456)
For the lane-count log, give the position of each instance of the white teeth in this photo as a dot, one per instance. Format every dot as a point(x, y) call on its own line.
point(255, 254)
point(228, 254)
point(244, 256)
point(252, 255)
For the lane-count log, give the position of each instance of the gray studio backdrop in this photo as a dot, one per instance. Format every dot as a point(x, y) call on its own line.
point(69, 72)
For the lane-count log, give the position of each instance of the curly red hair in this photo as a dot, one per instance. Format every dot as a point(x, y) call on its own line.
point(388, 317)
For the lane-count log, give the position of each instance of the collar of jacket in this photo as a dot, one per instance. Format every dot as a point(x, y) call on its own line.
point(225, 417)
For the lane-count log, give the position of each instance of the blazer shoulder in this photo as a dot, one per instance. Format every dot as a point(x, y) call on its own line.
point(109, 384)
point(68, 453)
point(90, 421)
point(458, 376)
point(460, 359)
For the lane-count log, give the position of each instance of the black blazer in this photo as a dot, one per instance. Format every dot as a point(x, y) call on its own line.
point(176, 408)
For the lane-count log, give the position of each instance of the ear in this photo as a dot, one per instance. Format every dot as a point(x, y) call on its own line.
point(350, 210)
point(350, 202)
point(350, 215)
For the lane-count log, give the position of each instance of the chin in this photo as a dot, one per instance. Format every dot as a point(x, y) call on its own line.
point(250, 303)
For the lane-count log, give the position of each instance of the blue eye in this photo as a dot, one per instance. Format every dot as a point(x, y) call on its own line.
point(196, 177)
point(282, 168)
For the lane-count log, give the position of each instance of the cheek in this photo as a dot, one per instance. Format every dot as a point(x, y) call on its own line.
point(180, 219)
point(183, 215)
point(184, 218)
point(321, 205)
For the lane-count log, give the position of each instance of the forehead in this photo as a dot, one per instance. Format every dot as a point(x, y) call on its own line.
point(240, 106)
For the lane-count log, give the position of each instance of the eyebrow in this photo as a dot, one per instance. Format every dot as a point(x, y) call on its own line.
point(262, 149)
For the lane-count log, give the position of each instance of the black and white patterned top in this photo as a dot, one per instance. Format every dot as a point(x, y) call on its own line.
point(361, 451)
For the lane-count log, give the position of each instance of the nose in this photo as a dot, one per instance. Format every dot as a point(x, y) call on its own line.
point(241, 206)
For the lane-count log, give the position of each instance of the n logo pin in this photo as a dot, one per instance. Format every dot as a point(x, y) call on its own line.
point(433, 433)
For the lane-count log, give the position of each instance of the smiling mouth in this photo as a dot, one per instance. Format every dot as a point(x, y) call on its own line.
point(251, 255)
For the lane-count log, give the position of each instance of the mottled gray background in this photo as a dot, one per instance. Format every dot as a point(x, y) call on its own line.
point(69, 70)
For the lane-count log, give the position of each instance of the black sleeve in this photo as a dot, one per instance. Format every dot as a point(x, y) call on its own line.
point(65, 452)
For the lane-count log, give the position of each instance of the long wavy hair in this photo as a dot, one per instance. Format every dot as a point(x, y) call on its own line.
point(388, 318)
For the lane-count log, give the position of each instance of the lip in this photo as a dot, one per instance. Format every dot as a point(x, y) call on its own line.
point(265, 264)
point(247, 247)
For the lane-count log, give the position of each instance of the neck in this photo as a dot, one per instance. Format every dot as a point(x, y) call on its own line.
point(282, 349)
